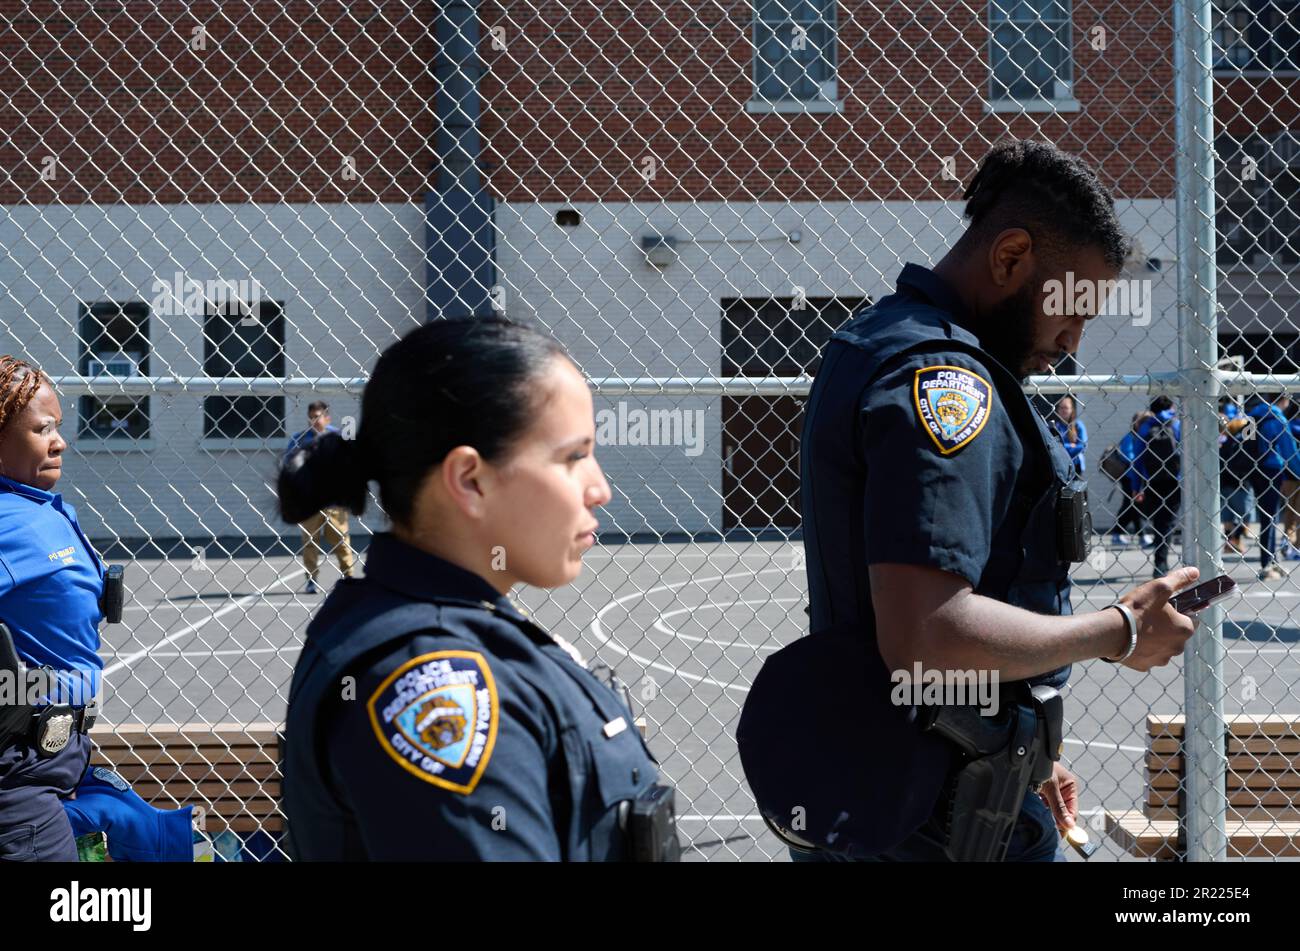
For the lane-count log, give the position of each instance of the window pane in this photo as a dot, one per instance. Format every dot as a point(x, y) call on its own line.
point(118, 417)
point(1277, 38)
point(1027, 61)
point(1026, 11)
point(784, 72)
point(243, 417)
point(800, 11)
point(113, 341)
point(238, 344)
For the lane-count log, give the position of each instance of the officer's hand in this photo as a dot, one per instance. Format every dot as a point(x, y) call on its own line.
point(1061, 793)
point(1139, 497)
point(1162, 631)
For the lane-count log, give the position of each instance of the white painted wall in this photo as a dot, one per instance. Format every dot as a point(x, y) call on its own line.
point(352, 279)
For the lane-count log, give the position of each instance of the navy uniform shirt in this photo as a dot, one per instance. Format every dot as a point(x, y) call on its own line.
point(475, 737)
point(51, 580)
point(920, 449)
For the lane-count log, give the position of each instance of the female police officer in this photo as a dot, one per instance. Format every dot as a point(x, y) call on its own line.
point(428, 717)
point(50, 586)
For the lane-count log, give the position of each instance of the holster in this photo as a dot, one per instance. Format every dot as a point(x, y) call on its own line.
point(15, 716)
point(113, 597)
point(1002, 758)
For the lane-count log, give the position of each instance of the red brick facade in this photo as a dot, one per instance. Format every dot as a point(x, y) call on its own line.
point(286, 91)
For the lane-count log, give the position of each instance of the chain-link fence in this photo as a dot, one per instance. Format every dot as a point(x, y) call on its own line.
point(215, 215)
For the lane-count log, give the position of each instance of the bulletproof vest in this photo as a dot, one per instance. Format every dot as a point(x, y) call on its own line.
point(361, 617)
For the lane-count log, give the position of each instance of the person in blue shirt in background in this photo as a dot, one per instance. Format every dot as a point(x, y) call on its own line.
point(330, 524)
point(51, 583)
point(1158, 466)
point(1071, 431)
point(1291, 484)
point(1266, 433)
point(1130, 516)
point(1235, 465)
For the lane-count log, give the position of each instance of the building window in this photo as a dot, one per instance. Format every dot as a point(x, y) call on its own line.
point(770, 336)
point(1030, 55)
point(794, 52)
point(243, 341)
point(1257, 199)
point(113, 342)
point(779, 336)
point(1257, 35)
point(1275, 352)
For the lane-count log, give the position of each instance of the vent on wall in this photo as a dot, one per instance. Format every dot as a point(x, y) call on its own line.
point(568, 218)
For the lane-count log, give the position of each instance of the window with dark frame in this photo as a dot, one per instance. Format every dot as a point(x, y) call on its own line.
point(772, 336)
point(241, 340)
point(1275, 352)
point(795, 51)
point(113, 341)
point(1030, 54)
point(1256, 36)
point(1257, 199)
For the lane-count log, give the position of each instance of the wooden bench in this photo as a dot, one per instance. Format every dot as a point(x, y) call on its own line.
point(229, 771)
point(1262, 783)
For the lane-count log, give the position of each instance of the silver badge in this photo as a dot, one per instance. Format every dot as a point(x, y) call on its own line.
point(55, 732)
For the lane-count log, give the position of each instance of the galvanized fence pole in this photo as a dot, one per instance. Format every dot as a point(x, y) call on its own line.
point(1203, 795)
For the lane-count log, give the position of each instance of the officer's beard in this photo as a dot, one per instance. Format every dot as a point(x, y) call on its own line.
point(1007, 331)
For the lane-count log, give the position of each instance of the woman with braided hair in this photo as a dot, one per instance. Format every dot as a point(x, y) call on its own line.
point(50, 585)
point(1070, 430)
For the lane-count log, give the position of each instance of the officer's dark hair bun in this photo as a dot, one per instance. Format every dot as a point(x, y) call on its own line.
point(448, 383)
point(328, 471)
point(1053, 195)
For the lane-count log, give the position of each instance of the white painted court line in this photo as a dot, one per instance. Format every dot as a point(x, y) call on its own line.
point(226, 653)
point(663, 628)
point(1109, 746)
point(191, 628)
point(603, 639)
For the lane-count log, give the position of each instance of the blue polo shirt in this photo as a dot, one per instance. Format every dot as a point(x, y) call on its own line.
point(50, 583)
point(304, 439)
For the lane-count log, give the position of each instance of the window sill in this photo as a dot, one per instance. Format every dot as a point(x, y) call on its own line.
point(85, 444)
point(793, 107)
point(247, 444)
point(1032, 105)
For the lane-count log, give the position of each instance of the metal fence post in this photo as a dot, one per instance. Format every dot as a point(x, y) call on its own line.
point(1204, 794)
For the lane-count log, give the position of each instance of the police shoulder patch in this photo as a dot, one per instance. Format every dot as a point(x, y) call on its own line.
point(105, 775)
point(436, 716)
point(953, 404)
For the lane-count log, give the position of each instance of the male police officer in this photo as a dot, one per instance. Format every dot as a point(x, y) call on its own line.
point(939, 519)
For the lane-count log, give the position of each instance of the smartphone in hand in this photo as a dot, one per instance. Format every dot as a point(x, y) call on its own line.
point(1197, 599)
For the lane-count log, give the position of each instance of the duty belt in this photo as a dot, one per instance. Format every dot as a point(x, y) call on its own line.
point(50, 728)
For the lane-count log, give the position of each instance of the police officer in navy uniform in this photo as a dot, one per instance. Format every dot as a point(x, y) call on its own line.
point(429, 717)
point(51, 583)
point(940, 516)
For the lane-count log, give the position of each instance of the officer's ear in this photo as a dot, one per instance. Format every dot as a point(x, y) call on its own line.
point(460, 475)
point(1011, 259)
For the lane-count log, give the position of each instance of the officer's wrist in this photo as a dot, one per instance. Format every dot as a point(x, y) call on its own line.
point(1128, 628)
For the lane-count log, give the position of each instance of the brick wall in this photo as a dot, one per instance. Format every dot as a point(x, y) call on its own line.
point(285, 91)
